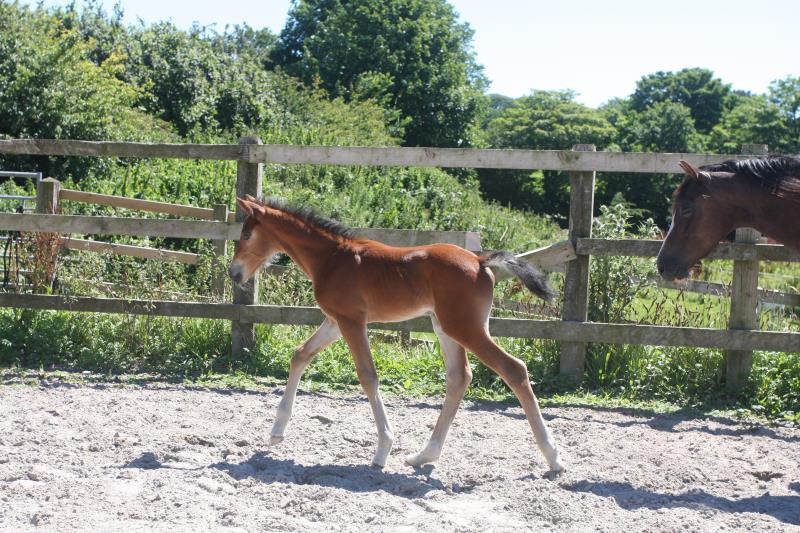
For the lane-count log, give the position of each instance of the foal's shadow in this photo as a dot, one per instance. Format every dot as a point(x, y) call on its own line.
point(353, 478)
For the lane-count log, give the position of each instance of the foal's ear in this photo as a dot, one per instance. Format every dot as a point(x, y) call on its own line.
point(250, 206)
point(694, 172)
point(246, 206)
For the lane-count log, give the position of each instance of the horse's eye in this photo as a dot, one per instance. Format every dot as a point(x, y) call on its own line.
point(246, 235)
point(686, 211)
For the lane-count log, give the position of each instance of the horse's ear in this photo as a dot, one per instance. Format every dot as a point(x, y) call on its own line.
point(694, 172)
point(690, 169)
point(250, 198)
point(246, 205)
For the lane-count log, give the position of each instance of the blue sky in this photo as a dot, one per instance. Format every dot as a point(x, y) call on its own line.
point(597, 48)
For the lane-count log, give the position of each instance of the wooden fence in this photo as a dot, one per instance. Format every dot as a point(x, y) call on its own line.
point(573, 330)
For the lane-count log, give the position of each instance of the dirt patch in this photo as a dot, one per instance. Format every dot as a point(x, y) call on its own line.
point(117, 458)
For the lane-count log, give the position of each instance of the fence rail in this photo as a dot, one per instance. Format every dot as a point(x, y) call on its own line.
point(574, 331)
point(566, 160)
point(501, 327)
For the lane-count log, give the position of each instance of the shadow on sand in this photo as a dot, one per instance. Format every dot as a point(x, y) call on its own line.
point(353, 478)
point(783, 508)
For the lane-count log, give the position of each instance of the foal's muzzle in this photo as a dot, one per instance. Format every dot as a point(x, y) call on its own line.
point(236, 272)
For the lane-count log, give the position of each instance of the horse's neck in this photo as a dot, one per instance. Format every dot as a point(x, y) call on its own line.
point(310, 250)
point(774, 216)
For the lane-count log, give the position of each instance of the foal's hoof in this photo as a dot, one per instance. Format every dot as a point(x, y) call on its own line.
point(418, 460)
point(555, 472)
point(276, 439)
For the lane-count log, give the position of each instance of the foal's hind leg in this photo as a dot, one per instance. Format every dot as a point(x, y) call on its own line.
point(515, 374)
point(325, 335)
point(458, 379)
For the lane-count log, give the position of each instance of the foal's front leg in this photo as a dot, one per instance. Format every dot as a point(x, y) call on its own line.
point(355, 333)
point(325, 335)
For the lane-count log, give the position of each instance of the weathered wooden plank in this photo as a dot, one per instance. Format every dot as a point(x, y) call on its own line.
point(130, 250)
point(137, 204)
point(552, 257)
point(220, 255)
point(649, 248)
point(249, 181)
point(565, 160)
point(720, 289)
point(743, 313)
point(646, 335)
point(744, 298)
point(119, 149)
point(143, 227)
point(47, 195)
point(500, 327)
point(576, 277)
point(473, 158)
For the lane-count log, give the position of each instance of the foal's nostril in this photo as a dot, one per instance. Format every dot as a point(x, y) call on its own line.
point(236, 273)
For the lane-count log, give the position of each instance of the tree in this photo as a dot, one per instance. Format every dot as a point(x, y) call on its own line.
point(696, 88)
point(543, 120)
point(751, 119)
point(662, 127)
point(51, 88)
point(411, 55)
point(785, 94)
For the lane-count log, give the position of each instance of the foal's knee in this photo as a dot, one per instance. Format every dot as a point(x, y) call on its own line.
point(300, 357)
point(459, 379)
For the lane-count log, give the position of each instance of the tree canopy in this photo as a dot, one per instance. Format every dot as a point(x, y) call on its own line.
point(354, 72)
point(413, 56)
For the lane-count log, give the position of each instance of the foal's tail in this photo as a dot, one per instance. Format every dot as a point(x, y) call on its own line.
point(535, 281)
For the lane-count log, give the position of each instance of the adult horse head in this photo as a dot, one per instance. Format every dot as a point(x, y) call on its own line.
point(761, 193)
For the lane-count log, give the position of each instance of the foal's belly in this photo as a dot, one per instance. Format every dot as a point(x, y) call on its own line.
point(397, 314)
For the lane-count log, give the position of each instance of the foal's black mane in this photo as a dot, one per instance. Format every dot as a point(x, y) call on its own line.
point(311, 217)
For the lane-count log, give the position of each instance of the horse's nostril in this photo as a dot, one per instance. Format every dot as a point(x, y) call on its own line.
point(660, 269)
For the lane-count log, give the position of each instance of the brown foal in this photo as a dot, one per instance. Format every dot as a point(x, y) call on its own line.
point(357, 281)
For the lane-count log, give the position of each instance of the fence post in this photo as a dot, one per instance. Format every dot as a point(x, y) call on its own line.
point(47, 191)
point(220, 252)
point(744, 298)
point(248, 181)
point(576, 280)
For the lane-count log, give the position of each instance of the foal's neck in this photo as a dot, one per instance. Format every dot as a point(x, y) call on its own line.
point(308, 246)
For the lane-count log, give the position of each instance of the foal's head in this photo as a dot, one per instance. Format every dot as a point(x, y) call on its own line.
point(256, 246)
point(699, 222)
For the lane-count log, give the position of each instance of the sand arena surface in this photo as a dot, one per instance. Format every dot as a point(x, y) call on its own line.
point(182, 458)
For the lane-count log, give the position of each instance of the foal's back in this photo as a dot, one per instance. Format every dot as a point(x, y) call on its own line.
point(386, 283)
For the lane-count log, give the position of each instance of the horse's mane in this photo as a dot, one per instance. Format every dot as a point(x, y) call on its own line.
point(780, 174)
point(310, 217)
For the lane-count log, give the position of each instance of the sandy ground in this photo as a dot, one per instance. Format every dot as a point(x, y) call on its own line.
point(176, 458)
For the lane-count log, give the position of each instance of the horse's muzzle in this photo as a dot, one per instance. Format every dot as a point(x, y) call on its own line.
point(671, 271)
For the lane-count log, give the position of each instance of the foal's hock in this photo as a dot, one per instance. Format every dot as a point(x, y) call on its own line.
point(357, 281)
